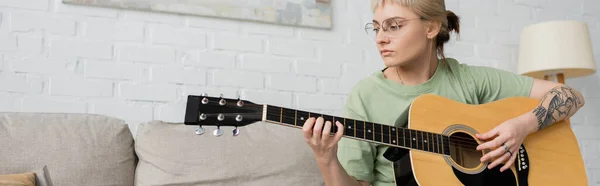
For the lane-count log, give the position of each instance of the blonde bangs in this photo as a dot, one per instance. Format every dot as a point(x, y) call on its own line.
point(376, 3)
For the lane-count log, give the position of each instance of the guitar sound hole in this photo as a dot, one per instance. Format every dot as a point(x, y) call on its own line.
point(463, 150)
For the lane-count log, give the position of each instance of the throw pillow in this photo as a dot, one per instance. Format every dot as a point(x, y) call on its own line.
point(41, 177)
point(21, 179)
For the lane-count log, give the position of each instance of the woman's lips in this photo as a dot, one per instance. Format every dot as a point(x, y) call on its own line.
point(386, 52)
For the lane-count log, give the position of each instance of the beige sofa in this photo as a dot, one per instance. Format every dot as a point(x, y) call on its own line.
point(87, 149)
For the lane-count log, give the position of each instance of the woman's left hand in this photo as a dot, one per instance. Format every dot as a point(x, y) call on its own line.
point(508, 138)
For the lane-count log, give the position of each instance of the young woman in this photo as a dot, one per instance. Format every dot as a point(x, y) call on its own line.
point(410, 36)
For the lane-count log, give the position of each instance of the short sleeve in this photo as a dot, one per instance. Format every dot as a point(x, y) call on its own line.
point(356, 157)
point(492, 84)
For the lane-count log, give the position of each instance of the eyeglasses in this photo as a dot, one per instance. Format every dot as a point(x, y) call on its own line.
point(390, 27)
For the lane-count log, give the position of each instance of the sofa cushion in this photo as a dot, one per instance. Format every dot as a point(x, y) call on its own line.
point(263, 154)
point(78, 149)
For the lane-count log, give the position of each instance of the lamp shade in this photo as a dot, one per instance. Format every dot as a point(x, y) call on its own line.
point(556, 47)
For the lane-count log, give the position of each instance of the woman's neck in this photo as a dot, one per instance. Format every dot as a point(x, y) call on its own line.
point(414, 72)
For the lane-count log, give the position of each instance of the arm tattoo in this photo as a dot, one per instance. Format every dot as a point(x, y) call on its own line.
point(558, 104)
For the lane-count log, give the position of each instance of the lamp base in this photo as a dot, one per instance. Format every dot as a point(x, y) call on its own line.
point(559, 76)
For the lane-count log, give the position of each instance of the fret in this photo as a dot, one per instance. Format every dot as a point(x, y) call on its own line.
point(435, 143)
point(409, 139)
point(386, 134)
point(415, 139)
point(326, 118)
point(446, 145)
point(331, 119)
point(281, 115)
point(421, 140)
point(402, 136)
point(424, 140)
point(443, 145)
point(287, 116)
point(348, 129)
point(440, 144)
point(272, 113)
point(301, 117)
point(354, 121)
point(369, 131)
point(295, 117)
point(373, 131)
point(429, 142)
point(427, 135)
point(377, 133)
point(360, 130)
point(394, 136)
point(333, 126)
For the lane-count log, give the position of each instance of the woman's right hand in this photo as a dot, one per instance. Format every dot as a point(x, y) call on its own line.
point(318, 136)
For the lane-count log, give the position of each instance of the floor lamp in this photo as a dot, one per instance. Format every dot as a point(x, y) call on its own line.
point(556, 49)
point(560, 49)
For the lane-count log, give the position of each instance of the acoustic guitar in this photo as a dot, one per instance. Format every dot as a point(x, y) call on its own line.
point(440, 137)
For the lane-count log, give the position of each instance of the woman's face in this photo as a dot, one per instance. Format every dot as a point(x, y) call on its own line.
point(401, 36)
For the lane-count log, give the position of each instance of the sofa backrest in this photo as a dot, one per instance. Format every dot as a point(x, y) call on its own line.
point(78, 149)
point(262, 154)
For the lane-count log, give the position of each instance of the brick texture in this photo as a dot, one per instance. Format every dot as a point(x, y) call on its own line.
point(140, 66)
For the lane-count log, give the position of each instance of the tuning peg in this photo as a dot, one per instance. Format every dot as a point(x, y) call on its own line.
point(202, 116)
point(236, 131)
point(221, 96)
point(221, 117)
point(200, 130)
point(203, 94)
point(222, 102)
point(218, 131)
point(204, 101)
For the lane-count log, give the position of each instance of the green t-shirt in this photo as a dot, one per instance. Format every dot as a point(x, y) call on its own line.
point(377, 99)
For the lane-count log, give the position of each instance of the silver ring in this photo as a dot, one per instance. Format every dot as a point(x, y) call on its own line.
point(506, 149)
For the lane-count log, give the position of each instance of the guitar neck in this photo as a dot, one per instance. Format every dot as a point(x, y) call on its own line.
point(363, 130)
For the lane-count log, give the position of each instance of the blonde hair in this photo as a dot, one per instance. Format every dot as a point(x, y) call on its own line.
point(434, 10)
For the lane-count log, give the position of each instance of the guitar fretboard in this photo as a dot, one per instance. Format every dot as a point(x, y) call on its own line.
point(367, 131)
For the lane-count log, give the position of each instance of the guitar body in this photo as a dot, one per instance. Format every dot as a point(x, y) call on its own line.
point(553, 153)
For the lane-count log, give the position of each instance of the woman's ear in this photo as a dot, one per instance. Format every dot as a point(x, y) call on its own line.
point(432, 29)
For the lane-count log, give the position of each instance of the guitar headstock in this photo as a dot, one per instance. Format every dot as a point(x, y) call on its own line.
point(204, 110)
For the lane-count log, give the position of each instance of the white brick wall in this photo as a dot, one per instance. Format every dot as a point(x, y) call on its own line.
point(140, 66)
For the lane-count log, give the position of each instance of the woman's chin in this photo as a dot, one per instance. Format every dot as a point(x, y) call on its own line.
point(388, 61)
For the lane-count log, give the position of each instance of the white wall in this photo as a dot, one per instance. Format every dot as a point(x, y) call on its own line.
point(140, 66)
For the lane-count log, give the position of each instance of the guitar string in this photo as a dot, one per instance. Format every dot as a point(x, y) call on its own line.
point(274, 112)
point(259, 116)
point(275, 109)
point(457, 140)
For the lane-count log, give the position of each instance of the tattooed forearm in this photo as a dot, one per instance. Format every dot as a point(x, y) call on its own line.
point(559, 103)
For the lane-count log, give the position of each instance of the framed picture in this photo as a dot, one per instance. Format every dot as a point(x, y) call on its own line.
point(303, 13)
